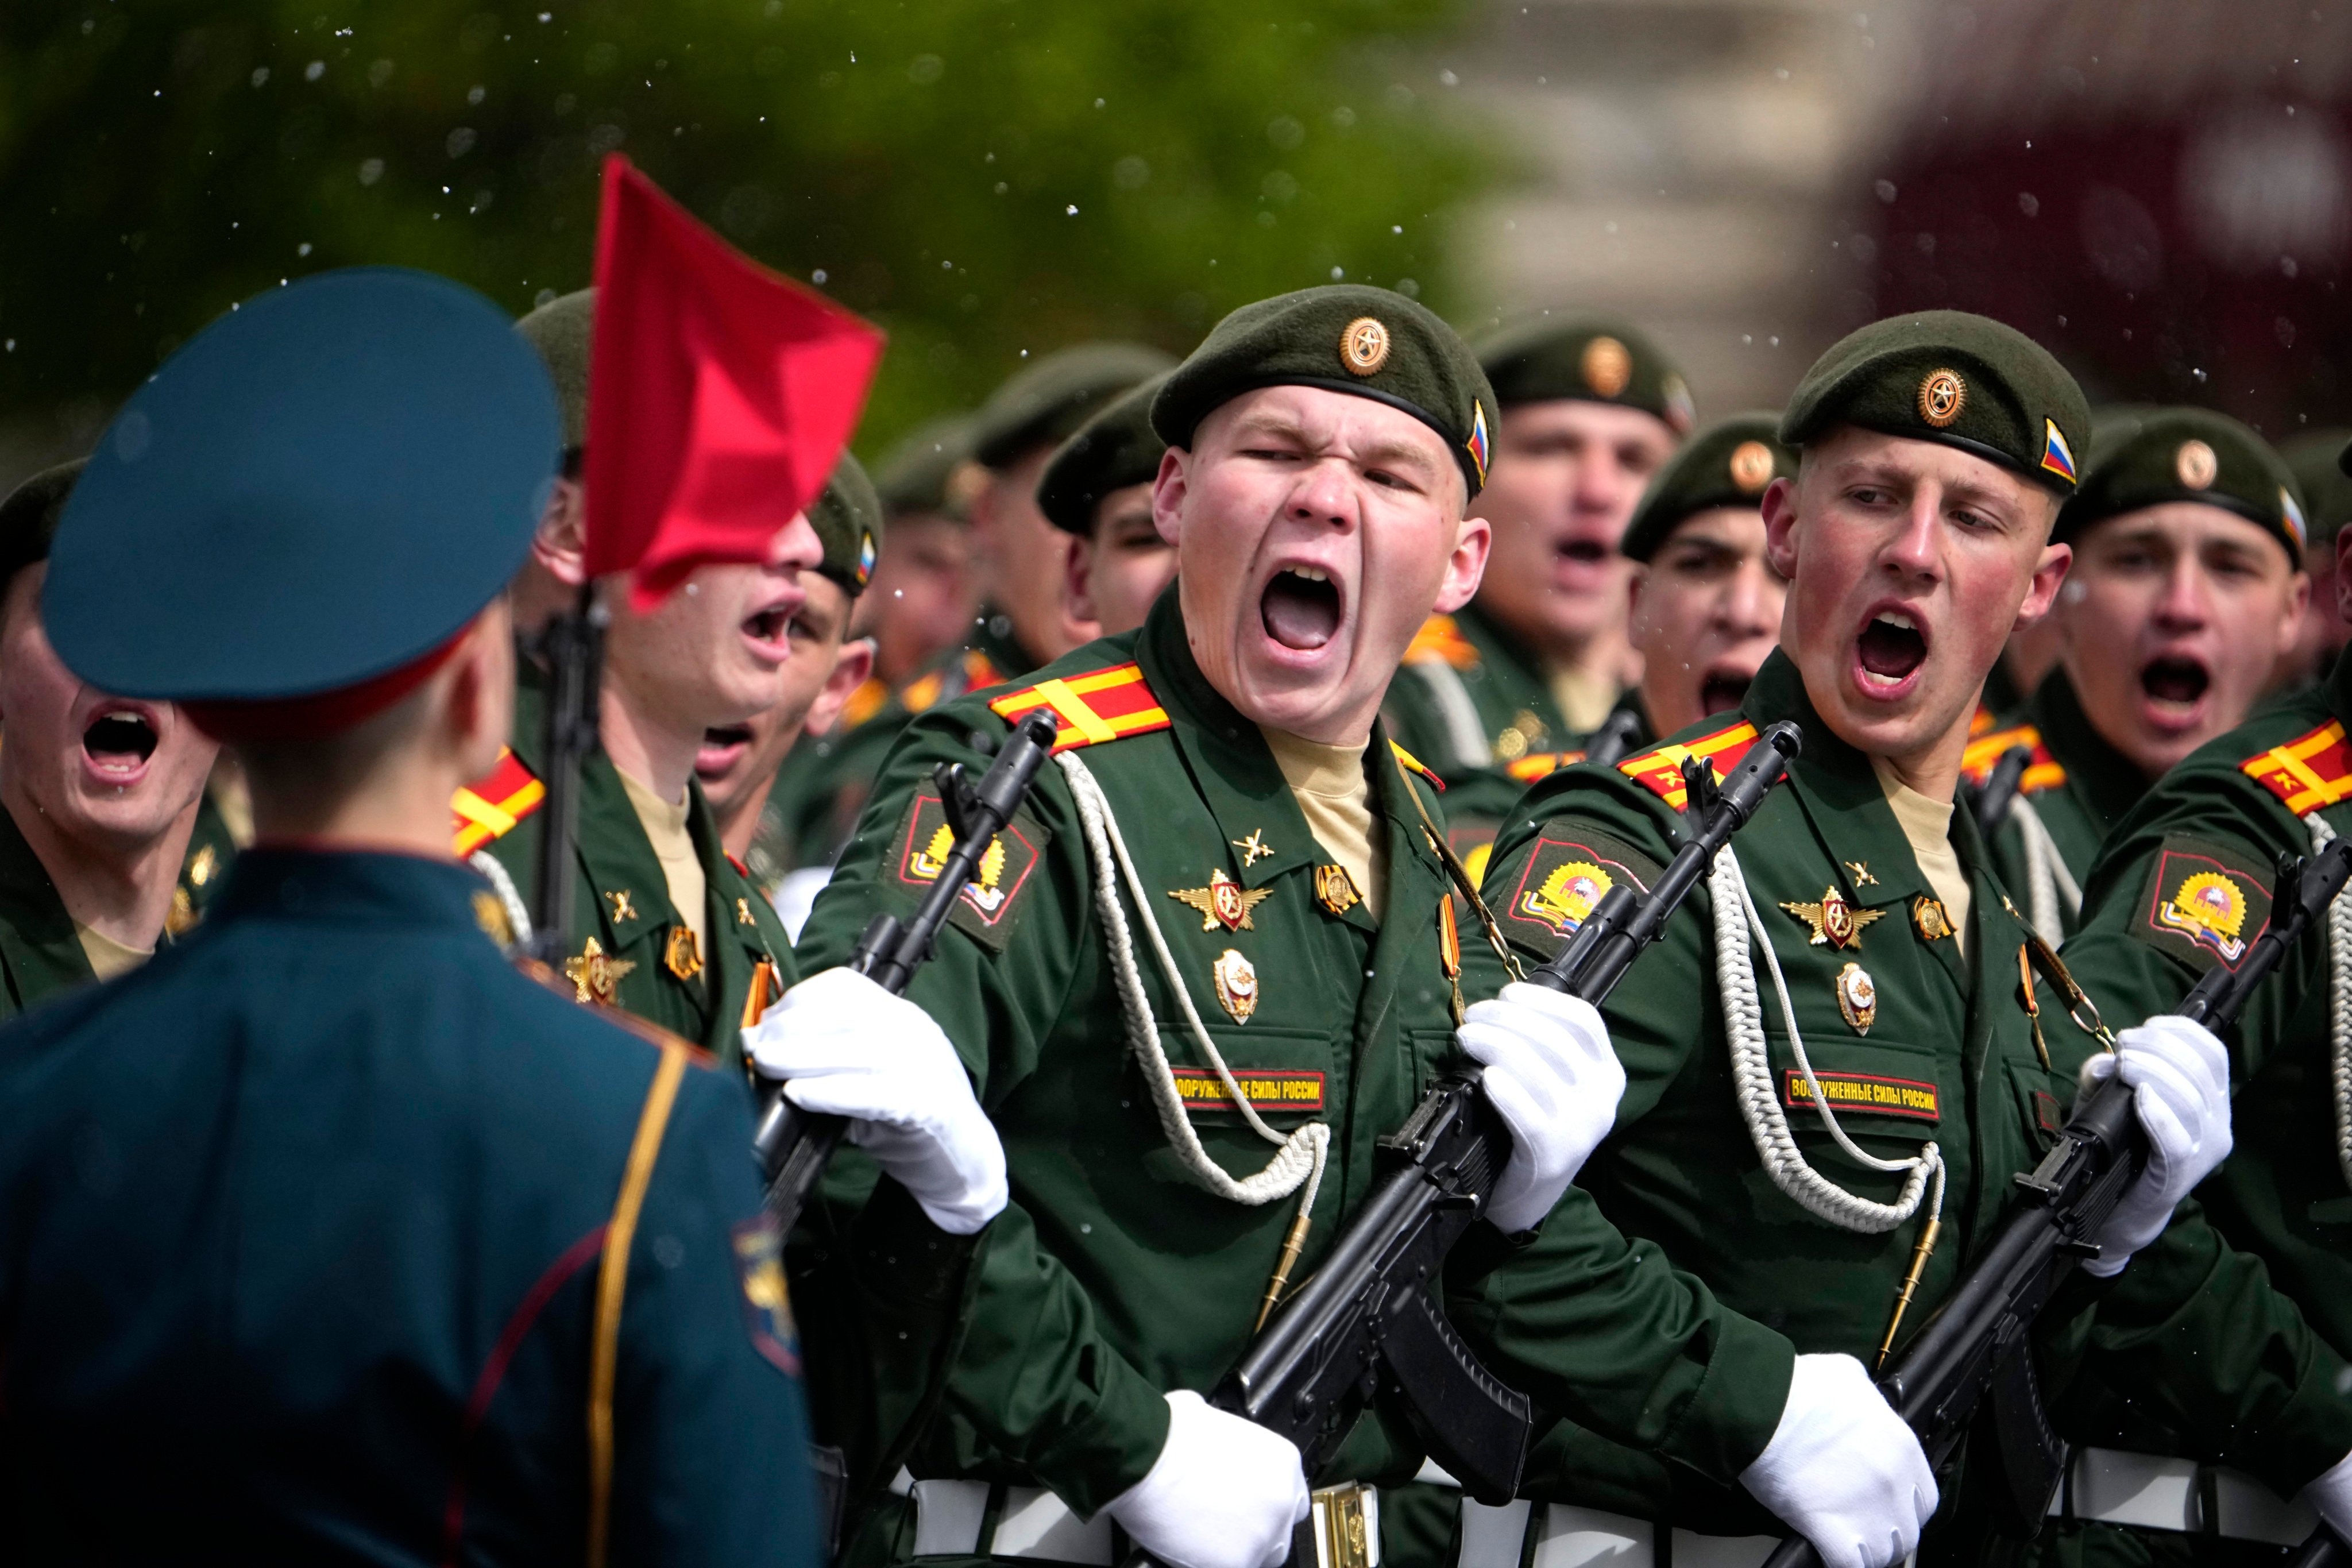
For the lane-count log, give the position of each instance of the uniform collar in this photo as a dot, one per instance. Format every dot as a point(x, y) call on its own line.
point(352, 887)
point(2109, 782)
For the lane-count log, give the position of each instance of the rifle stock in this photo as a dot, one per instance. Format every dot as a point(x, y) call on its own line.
point(1976, 1339)
point(792, 1145)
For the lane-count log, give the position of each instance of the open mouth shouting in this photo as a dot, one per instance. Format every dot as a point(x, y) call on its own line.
point(1723, 689)
point(768, 630)
point(723, 746)
point(1301, 609)
point(1889, 654)
point(2172, 690)
point(118, 742)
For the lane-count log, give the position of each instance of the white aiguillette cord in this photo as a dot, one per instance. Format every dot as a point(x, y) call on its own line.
point(2339, 1000)
point(1299, 1162)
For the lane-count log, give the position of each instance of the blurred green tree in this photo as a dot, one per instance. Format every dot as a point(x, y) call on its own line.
point(985, 178)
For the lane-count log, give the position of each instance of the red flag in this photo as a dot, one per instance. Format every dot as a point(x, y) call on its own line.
point(720, 395)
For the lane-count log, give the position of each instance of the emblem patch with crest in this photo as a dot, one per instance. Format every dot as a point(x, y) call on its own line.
point(1568, 873)
point(767, 1300)
point(2205, 903)
point(992, 899)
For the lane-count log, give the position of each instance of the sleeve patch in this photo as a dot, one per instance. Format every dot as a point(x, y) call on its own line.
point(1565, 875)
point(990, 900)
point(2204, 904)
point(1848, 1092)
point(767, 1300)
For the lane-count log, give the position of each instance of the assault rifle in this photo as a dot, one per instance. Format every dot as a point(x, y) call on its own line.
point(1974, 1345)
point(1611, 742)
point(1991, 804)
point(1369, 1317)
point(792, 1145)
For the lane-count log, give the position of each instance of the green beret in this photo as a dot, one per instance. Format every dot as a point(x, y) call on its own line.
point(1730, 463)
point(1595, 359)
point(920, 474)
point(28, 518)
point(1044, 404)
point(1116, 448)
point(1946, 375)
point(1341, 337)
point(2152, 457)
point(847, 517)
point(559, 331)
point(2326, 492)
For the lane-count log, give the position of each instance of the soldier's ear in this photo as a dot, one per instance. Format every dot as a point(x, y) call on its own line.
point(851, 666)
point(1167, 491)
point(1780, 509)
point(559, 543)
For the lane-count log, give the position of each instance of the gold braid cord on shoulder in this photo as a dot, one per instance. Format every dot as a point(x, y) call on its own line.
point(1460, 875)
point(612, 1281)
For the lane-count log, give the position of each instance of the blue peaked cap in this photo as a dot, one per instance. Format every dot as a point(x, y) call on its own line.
point(324, 484)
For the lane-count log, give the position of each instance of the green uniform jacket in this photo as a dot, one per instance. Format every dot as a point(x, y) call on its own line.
point(40, 953)
point(1114, 1275)
point(2078, 784)
point(323, 1271)
point(2147, 935)
point(1680, 1275)
point(621, 900)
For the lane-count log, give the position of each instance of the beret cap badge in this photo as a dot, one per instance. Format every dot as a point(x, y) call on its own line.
point(1942, 395)
point(1751, 465)
point(1364, 346)
point(2196, 465)
point(1607, 366)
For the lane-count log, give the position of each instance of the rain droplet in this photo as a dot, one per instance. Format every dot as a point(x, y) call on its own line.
point(303, 248)
point(314, 71)
point(260, 74)
point(817, 276)
point(1069, 211)
point(370, 171)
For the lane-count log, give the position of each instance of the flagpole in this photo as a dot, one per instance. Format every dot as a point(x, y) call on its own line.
point(573, 644)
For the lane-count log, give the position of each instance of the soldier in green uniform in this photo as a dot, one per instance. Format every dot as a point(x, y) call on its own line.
point(666, 925)
point(1833, 1068)
point(1592, 410)
point(2182, 884)
point(1098, 489)
point(2186, 592)
point(375, 1250)
point(100, 794)
point(2327, 507)
point(1214, 959)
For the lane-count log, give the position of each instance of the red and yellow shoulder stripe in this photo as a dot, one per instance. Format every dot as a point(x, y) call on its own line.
point(865, 702)
point(1538, 765)
point(1984, 753)
point(1660, 770)
point(1101, 705)
point(1440, 638)
point(1981, 720)
point(1416, 766)
point(490, 807)
point(2309, 773)
point(974, 670)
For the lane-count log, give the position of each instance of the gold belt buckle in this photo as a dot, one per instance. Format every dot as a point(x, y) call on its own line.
point(1346, 1526)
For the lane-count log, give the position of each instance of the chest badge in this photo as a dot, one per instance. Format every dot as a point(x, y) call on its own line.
point(1928, 915)
point(1835, 923)
point(1221, 902)
point(1254, 849)
point(1860, 872)
point(621, 908)
point(1857, 997)
point(682, 952)
point(596, 975)
point(1236, 981)
point(1336, 891)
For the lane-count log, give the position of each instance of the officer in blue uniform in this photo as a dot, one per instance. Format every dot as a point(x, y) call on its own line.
point(327, 1235)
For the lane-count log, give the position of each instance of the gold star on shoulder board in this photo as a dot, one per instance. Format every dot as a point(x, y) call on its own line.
point(1254, 849)
point(1221, 902)
point(1835, 922)
point(621, 908)
point(596, 975)
point(1861, 874)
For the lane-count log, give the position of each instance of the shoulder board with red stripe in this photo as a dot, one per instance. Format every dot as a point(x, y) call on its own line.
point(1439, 637)
point(490, 807)
point(1661, 771)
point(1984, 753)
point(1541, 764)
point(1981, 720)
point(1101, 705)
point(2309, 773)
point(1417, 766)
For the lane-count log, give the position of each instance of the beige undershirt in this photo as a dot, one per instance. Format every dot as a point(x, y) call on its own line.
point(1336, 798)
point(1927, 824)
point(107, 957)
point(665, 825)
point(1584, 698)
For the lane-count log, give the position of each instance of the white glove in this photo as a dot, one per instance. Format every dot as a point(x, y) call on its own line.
point(1842, 1470)
point(845, 1047)
point(1224, 1492)
point(2331, 1496)
point(2179, 1076)
point(1552, 1074)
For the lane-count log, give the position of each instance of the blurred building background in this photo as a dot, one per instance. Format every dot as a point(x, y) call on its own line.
point(2161, 191)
